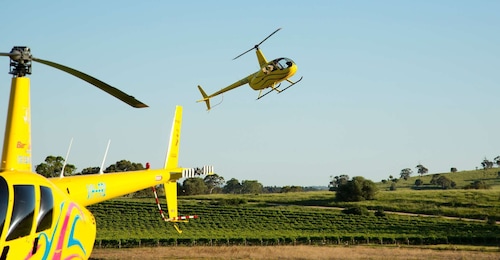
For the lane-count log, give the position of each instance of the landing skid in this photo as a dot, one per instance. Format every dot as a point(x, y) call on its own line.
point(277, 88)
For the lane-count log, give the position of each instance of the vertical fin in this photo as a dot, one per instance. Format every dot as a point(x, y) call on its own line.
point(171, 163)
point(16, 153)
point(171, 194)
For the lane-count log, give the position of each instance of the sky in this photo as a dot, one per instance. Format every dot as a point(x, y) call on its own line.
point(387, 85)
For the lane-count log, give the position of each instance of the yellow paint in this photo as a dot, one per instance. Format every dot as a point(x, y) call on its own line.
point(16, 153)
point(70, 232)
point(270, 75)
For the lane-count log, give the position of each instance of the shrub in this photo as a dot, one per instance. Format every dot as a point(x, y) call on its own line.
point(356, 210)
point(477, 185)
point(380, 212)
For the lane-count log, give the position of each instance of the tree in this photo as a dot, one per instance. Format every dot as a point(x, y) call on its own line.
point(286, 189)
point(487, 164)
point(497, 160)
point(90, 170)
point(251, 187)
point(213, 181)
point(124, 166)
point(194, 186)
point(418, 182)
point(453, 169)
point(336, 181)
point(405, 173)
point(421, 169)
point(357, 189)
point(52, 167)
point(445, 182)
point(434, 179)
point(232, 186)
point(478, 184)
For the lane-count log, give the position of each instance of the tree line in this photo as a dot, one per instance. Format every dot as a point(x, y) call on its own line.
point(211, 184)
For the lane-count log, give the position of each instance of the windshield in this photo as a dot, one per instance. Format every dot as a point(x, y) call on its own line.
point(4, 202)
point(23, 211)
point(283, 63)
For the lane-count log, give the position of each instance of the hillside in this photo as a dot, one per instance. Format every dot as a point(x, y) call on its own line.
point(311, 218)
point(461, 178)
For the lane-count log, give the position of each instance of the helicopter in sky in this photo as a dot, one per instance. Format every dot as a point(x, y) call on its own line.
point(46, 218)
point(270, 75)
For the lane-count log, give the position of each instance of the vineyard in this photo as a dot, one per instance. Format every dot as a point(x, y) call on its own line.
point(133, 223)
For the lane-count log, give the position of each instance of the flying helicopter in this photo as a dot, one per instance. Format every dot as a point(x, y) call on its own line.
point(270, 75)
point(46, 218)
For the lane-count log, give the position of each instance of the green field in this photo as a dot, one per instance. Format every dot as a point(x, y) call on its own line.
point(307, 218)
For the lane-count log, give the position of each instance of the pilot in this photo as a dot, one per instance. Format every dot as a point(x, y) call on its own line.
point(268, 68)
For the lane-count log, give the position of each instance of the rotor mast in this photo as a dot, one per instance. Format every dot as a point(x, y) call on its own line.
point(16, 153)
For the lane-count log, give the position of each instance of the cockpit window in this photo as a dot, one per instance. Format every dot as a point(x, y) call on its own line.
point(4, 202)
point(44, 218)
point(283, 63)
point(23, 211)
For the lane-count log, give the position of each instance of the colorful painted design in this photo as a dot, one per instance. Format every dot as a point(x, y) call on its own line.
point(93, 191)
point(60, 236)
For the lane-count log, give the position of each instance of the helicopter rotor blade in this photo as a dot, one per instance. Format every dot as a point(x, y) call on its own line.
point(257, 45)
point(8, 54)
point(103, 86)
point(269, 36)
point(245, 52)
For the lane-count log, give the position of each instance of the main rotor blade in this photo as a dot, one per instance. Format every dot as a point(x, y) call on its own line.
point(257, 45)
point(245, 52)
point(6, 54)
point(105, 87)
point(269, 36)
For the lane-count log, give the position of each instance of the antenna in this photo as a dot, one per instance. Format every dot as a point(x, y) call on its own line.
point(66, 158)
point(104, 159)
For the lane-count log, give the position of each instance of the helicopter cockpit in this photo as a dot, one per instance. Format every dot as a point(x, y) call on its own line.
point(283, 63)
point(23, 211)
point(277, 64)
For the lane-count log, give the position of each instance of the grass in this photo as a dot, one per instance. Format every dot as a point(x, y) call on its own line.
point(475, 204)
point(305, 219)
point(462, 178)
point(294, 252)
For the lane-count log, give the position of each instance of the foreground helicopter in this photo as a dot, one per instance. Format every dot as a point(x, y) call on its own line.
point(270, 75)
point(46, 218)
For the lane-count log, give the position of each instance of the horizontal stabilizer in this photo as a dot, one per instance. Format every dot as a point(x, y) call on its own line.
point(197, 172)
point(206, 98)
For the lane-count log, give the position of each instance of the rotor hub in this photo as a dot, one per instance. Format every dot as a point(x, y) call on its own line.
point(20, 61)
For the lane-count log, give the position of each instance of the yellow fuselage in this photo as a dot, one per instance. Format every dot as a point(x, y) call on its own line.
point(265, 78)
point(41, 221)
point(46, 218)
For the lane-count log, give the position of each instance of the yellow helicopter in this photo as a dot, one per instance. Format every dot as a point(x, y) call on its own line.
point(270, 75)
point(46, 218)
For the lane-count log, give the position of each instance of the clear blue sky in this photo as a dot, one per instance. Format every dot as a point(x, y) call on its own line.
point(387, 84)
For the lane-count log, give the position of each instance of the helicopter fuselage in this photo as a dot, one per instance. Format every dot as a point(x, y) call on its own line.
point(272, 73)
point(40, 221)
